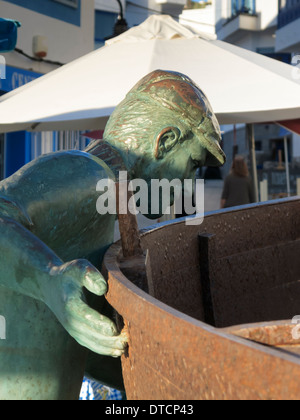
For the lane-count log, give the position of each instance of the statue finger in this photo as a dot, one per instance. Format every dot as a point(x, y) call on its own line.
point(79, 313)
point(105, 346)
point(92, 334)
point(83, 273)
point(94, 282)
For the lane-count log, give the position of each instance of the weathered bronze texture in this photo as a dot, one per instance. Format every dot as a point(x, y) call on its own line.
point(52, 237)
point(253, 271)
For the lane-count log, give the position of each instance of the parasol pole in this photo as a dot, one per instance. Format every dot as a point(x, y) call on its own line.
point(287, 166)
point(251, 142)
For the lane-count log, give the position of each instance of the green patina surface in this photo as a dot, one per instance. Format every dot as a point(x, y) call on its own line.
point(52, 239)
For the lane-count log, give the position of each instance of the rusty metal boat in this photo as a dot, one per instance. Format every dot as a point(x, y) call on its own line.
point(214, 320)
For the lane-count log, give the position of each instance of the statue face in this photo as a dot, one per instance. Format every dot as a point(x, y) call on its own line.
point(182, 148)
point(165, 129)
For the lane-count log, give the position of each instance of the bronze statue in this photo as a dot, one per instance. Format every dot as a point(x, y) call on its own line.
point(53, 240)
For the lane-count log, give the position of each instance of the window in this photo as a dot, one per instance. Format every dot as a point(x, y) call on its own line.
point(243, 6)
point(48, 142)
point(289, 12)
point(258, 146)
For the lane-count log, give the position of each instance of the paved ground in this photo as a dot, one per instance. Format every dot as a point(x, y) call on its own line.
point(212, 195)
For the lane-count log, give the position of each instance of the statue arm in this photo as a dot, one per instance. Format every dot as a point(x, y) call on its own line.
point(29, 267)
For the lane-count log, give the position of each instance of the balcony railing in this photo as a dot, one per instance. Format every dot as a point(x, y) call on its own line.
point(289, 13)
point(243, 7)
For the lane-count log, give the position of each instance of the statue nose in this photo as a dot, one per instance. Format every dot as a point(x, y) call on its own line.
point(215, 156)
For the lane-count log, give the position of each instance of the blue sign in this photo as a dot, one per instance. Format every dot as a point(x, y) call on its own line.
point(15, 78)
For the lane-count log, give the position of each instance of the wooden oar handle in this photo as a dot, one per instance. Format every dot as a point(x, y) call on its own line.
point(128, 225)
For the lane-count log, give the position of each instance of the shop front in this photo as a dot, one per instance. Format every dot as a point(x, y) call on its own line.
point(19, 148)
point(15, 148)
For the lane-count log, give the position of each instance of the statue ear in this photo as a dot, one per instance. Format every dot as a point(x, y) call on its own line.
point(166, 140)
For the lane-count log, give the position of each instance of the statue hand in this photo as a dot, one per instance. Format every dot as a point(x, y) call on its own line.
point(85, 325)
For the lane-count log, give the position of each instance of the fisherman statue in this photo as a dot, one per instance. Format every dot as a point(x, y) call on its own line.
point(52, 239)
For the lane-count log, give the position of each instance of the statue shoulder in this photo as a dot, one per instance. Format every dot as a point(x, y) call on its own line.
point(63, 162)
point(46, 179)
point(13, 210)
point(54, 172)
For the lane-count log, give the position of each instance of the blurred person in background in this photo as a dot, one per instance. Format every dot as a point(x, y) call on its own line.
point(238, 187)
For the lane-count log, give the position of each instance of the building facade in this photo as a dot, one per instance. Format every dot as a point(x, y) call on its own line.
point(66, 27)
point(106, 14)
point(62, 30)
point(288, 33)
point(252, 24)
point(288, 40)
point(200, 20)
point(135, 12)
point(248, 23)
point(140, 10)
point(72, 28)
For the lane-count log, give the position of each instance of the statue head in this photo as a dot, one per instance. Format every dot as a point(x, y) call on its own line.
point(165, 128)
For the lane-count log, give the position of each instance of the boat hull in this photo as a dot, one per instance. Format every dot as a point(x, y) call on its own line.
point(186, 341)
